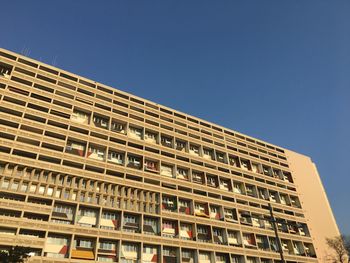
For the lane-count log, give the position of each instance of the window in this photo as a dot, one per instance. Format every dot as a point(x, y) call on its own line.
point(118, 127)
point(194, 149)
point(5, 184)
point(166, 141)
point(101, 122)
point(135, 132)
point(115, 157)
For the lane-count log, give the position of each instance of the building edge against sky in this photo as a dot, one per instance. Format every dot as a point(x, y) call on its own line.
point(315, 206)
point(314, 201)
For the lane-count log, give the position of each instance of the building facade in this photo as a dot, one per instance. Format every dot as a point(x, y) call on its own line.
point(91, 173)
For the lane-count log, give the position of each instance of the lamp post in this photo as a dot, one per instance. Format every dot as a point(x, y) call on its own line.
point(279, 244)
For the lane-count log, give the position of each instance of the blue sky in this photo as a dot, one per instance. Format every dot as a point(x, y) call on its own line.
point(275, 70)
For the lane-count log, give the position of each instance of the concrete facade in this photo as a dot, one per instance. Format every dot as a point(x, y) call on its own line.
point(89, 173)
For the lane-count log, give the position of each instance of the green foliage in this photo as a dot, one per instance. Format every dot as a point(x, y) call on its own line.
point(14, 254)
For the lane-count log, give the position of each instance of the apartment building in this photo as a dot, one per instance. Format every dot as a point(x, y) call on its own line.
point(89, 173)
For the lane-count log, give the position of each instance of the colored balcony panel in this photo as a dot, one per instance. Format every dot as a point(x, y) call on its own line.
point(87, 217)
point(186, 231)
point(75, 147)
point(201, 209)
point(96, 152)
point(131, 223)
point(151, 166)
point(83, 248)
point(110, 220)
point(214, 212)
point(56, 246)
point(130, 252)
point(151, 225)
point(204, 234)
point(169, 228)
point(249, 240)
point(150, 254)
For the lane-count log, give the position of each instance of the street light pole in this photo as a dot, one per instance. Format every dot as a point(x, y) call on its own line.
point(279, 244)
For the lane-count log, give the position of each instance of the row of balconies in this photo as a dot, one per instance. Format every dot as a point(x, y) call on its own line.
point(134, 198)
point(165, 169)
point(178, 144)
point(64, 245)
point(84, 216)
point(136, 201)
point(6, 68)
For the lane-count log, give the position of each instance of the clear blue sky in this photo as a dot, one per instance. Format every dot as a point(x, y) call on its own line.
point(275, 70)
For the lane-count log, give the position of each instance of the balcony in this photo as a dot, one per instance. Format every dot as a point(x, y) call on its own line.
point(169, 229)
point(194, 150)
point(224, 185)
point(116, 157)
point(150, 254)
point(182, 174)
point(186, 231)
point(56, 246)
point(215, 213)
point(249, 241)
point(150, 228)
point(118, 127)
point(100, 122)
point(83, 249)
point(230, 215)
point(109, 220)
point(204, 237)
point(245, 218)
point(5, 70)
point(75, 148)
point(80, 117)
point(212, 181)
point(218, 237)
point(208, 154)
point(96, 153)
point(134, 162)
point(220, 157)
point(198, 178)
point(87, 218)
point(262, 243)
point(83, 253)
point(169, 255)
point(234, 239)
point(129, 253)
point(150, 137)
point(166, 141)
point(131, 223)
point(201, 210)
point(135, 133)
point(234, 161)
point(166, 170)
point(245, 165)
point(151, 166)
point(180, 145)
point(108, 247)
